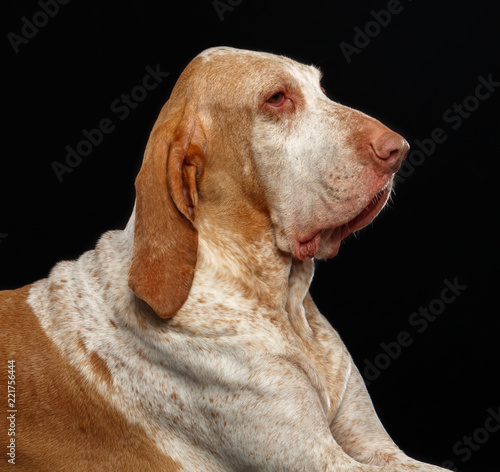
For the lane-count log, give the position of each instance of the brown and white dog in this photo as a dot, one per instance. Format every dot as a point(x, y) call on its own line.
point(189, 341)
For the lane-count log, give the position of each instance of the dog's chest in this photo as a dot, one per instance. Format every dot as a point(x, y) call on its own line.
point(232, 392)
point(217, 387)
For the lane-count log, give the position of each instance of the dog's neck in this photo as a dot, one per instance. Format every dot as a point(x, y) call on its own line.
point(258, 278)
point(244, 256)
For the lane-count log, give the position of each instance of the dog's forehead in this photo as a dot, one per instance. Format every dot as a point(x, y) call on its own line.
point(236, 64)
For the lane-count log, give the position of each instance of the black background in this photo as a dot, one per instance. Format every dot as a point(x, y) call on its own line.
point(439, 227)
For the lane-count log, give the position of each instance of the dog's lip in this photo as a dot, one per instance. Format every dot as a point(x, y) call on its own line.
point(367, 214)
point(306, 248)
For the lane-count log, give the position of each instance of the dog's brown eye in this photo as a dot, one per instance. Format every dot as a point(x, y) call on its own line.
point(277, 99)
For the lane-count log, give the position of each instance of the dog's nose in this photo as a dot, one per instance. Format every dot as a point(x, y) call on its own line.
point(390, 149)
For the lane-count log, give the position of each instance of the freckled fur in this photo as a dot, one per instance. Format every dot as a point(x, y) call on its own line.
point(189, 340)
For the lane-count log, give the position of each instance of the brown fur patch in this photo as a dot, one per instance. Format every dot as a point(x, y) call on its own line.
point(100, 368)
point(62, 423)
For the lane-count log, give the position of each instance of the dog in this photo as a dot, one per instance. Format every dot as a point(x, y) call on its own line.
point(189, 341)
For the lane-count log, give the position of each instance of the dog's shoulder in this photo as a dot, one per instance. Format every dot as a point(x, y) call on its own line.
point(56, 410)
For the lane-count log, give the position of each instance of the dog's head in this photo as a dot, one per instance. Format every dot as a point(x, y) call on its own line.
point(243, 134)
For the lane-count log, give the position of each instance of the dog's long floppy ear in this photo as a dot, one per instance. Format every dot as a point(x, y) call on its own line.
point(165, 239)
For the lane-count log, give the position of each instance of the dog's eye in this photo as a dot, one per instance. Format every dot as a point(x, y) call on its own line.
point(277, 99)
